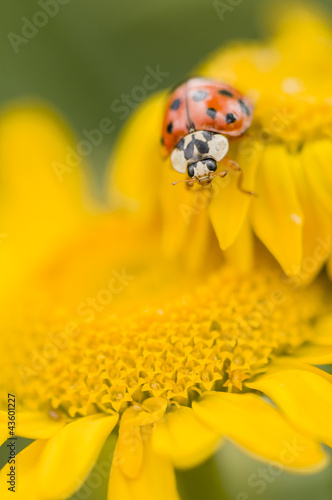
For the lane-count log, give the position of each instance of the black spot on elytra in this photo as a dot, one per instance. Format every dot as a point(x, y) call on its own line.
point(180, 145)
point(202, 146)
point(200, 95)
point(189, 151)
point(207, 135)
point(176, 104)
point(244, 107)
point(225, 92)
point(169, 127)
point(230, 118)
point(211, 112)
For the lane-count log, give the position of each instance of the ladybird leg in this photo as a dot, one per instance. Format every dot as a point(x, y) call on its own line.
point(231, 164)
point(234, 166)
point(220, 174)
point(239, 185)
point(190, 182)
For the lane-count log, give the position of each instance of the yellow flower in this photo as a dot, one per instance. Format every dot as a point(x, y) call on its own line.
point(285, 156)
point(116, 342)
point(111, 341)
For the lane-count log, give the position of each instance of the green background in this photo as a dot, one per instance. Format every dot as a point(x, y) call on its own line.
point(85, 57)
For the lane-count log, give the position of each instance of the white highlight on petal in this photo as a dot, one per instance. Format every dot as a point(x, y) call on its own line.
point(297, 219)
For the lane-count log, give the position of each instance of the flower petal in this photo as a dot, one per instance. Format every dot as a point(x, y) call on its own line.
point(37, 425)
point(156, 479)
point(241, 254)
point(37, 210)
point(317, 227)
point(134, 419)
point(304, 397)
point(317, 158)
point(136, 168)
point(229, 206)
point(276, 213)
point(26, 468)
point(259, 428)
point(185, 222)
point(184, 438)
point(315, 354)
point(130, 445)
point(31, 425)
point(70, 454)
point(285, 363)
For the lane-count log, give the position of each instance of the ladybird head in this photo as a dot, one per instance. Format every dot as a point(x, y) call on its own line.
point(198, 153)
point(202, 171)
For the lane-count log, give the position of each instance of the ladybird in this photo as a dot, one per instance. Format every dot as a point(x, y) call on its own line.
point(201, 116)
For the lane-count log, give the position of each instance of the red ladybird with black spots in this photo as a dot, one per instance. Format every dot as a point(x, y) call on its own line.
point(201, 116)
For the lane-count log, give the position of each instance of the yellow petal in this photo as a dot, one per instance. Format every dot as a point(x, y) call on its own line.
point(184, 438)
point(315, 354)
point(285, 363)
point(153, 410)
point(130, 445)
point(259, 428)
point(241, 254)
point(178, 211)
point(130, 442)
point(185, 222)
point(156, 479)
point(37, 425)
point(137, 166)
point(304, 397)
point(70, 454)
point(26, 468)
point(37, 210)
point(229, 206)
point(317, 228)
point(31, 425)
point(95, 243)
point(317, 158)
point(276, 213)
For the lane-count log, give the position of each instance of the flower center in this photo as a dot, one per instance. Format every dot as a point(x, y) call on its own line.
point(213, 338)
point(292, 119)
